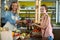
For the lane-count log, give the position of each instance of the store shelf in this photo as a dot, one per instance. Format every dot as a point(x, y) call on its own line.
point(26, 0)
point(34, 12)
point(51, 6)
point(40, 18)
point(27, 12)
point(51, 9)
point(27, 9)
point(34, 9)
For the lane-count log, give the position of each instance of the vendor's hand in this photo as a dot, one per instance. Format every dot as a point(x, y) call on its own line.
point(18, 21)
point(24, 21)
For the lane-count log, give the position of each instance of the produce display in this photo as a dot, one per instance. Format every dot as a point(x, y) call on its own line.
point(24, 33)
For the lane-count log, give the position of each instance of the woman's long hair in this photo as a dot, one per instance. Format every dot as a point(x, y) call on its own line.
point(10, 8)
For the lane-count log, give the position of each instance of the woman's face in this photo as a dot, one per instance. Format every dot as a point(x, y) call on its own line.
point(14, 6)
point(43, 9)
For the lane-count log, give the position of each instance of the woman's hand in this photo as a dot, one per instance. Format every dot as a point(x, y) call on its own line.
point(38, 25)
point(34, 24)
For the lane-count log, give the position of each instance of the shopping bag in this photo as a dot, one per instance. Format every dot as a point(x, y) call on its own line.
point(6, 35)
point(9, 26)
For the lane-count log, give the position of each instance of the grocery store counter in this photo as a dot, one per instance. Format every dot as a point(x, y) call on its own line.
point(56, 31)
point(56, 27)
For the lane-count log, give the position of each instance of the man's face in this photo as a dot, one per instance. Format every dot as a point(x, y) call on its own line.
point(43, 9)
point(14, 6)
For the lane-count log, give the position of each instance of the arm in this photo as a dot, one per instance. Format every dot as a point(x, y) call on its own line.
point(44, 23)
point(4, 17)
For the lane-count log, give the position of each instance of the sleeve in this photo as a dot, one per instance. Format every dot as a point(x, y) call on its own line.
point(4, 17)
point(19, 18)
point(12, 22)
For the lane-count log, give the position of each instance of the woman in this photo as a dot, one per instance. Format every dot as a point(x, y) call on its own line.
point(45, 24)
point(11, 16)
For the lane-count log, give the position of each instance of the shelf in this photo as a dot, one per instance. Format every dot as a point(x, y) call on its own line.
point(40, 18)
point(34, 12)
point(27, 12)
point(29, 18)
point(34, 9)
point(27, 9)
point(51, 9)
point(27, 0)
point(30, 8)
